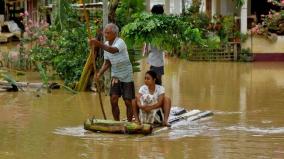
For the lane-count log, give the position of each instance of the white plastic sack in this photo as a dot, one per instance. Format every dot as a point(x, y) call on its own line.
point(12, 26)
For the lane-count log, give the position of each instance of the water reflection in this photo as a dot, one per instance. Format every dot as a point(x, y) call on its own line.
point(247, 99)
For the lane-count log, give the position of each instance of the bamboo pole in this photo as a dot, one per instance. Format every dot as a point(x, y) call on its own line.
point(82, 85)
point(90, 64)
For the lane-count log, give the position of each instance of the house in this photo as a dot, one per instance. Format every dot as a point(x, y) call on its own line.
point(12, 8)
point(250, 13)
point(10, 19)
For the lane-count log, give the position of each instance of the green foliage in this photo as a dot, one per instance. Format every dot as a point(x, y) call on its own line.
point(45, 79)
point(64, 15)
point(272, 24)
point(228, 27)
point(127, 8)
point(198, 20)
point(66, 48)
point(23, 61)
point(165, 32)
point(66, 51)
point(10, 80)
point(194, 35)
point(276, 2)
point(135, 55)
point(243, 37)
point(202, 22)
point(246, 55)
point(124, 11)
point(213, 41)
point(239, 3)
point(194, 8)
point(68, 89)
point(43, 74)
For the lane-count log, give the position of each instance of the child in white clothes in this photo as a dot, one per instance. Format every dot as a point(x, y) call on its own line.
point(151, 103)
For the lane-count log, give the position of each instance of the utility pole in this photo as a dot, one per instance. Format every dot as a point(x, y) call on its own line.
point(105, 13)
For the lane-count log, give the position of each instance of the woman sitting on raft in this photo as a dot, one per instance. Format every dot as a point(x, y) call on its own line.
point(151, 105)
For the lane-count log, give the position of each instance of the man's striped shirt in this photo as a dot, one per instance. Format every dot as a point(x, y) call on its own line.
point(121, 67)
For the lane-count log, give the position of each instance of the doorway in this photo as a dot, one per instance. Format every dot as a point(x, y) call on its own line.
point(262, 7)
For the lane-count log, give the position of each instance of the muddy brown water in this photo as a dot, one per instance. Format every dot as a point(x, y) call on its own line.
point(247, 100)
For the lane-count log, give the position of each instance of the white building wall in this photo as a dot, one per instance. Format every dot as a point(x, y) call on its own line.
point(224, 7)
point(154, 2)
point(162, 2)
point(214, 8)
point(175, 7)
point(228, 8)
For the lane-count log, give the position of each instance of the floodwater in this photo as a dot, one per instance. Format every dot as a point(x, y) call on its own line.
point(247, 100)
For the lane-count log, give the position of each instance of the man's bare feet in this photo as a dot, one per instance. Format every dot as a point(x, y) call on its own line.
point(136, 121)
point(166, 124)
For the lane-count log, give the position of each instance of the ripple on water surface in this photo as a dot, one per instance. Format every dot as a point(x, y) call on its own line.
point(271, 130)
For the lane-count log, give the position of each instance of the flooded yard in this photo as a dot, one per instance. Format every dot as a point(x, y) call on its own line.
point(247, 100)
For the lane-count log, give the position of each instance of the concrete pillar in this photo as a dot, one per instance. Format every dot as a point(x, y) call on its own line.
point(25, 5)
point(214, 8)
point(224, 7)
point(203, 6)
point(244, 17)
point(177, 7)
point(167, 6)
point(148, 9)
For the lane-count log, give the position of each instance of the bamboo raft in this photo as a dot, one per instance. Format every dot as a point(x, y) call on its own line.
point(119, 127)
point(123, 127)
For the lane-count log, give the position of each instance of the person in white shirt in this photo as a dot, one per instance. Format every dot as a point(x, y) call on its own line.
point(156, 108)
point(156, 54)
point(116, 56)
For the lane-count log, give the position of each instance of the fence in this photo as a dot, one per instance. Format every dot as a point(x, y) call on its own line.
point(228, 52)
